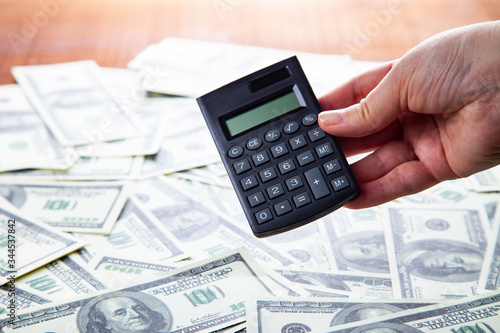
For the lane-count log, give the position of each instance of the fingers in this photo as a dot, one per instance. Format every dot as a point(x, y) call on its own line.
point(380, 107)
point(382, 161)
point(354, 146)
point(405, 179)
point(353, 91)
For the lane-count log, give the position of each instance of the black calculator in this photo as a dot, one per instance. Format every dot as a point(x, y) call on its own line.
point(285, 170)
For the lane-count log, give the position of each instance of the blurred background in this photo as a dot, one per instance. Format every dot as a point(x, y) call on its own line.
point(112, 32)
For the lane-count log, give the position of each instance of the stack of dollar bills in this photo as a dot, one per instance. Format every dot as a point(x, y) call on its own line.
point(117, 216)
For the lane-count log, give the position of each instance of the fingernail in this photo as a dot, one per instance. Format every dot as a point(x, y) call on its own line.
point(333, 117)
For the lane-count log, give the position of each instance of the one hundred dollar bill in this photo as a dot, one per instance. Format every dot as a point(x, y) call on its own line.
point(70, 206)
point(205, 176)
point(25, 141)
point(221, 199)
point(137, 234)
point(490, 273)
point(191, 68)
point(76, 103)
point(27, 244)
point(436, 251)
point(269, 315)
point(144, 145)
point(454, 192)
point(356, 241)
point(474, 314)
point(85, 168)
point(359, 285)
point(183, 151)
point(202, 297)
point(61, 279)
point(305, 245)
point(14, 299)
point(120, 272)
point(195, 225)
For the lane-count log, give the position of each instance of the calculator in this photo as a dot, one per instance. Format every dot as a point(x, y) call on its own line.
point(285, 170)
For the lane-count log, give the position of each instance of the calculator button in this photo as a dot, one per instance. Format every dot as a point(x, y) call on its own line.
point(235, 151)
point(286, 166)
point(324, 150)
point(298, 142)
point(279, 150)
point(309, 119)
point(291, 127)
point(316, 134)
point(301, 199)
point(268, 174)
point(317, 183)
point(249, 182)
point(340, 183)
point(260, 158)
point(275, 191)
point(294, 183)
point(272, 135)
point(242, 166)
point(281, 208)
point(254, 143)
point(263, 216)
point(305, 158)
point(332, 166)
point(256, 199)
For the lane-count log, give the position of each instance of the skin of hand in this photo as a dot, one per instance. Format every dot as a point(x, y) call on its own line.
point(432, 115)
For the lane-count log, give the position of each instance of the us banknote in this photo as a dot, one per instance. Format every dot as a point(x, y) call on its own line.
point(219, 198)
point(202, 297)
point(76, 103)
point(490, 272)
point(196, 226)
point(143, 145)
point(27, 244)
point(436, 251)
point(474, 314)
point(25, 141)
point(306, 244)
point(191, 68)
point(120, 272)
point(61, 279)
point(357, 284)
point(268, 315)
point(137, 234)
point(185, 150)
point(70, 206)
point(85, 168)
point(355, 240)
point(202, 175)
point(454, 192)
point(18, 300)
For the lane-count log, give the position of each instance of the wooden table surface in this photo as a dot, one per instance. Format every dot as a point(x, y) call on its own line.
point(112, 32)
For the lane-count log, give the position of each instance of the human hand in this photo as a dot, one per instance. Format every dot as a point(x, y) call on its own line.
point(432, 115)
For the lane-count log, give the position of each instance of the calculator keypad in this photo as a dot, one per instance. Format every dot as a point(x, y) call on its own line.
point(291, 161)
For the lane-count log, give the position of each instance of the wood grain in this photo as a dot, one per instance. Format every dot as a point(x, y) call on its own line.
point(112, 32)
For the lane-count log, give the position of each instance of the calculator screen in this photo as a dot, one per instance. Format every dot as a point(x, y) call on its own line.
point(262, 113)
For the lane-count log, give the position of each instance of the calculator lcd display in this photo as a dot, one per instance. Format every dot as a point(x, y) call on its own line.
point(263, 113)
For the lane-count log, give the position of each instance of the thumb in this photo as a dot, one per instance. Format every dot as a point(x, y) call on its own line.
point(372, 114)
